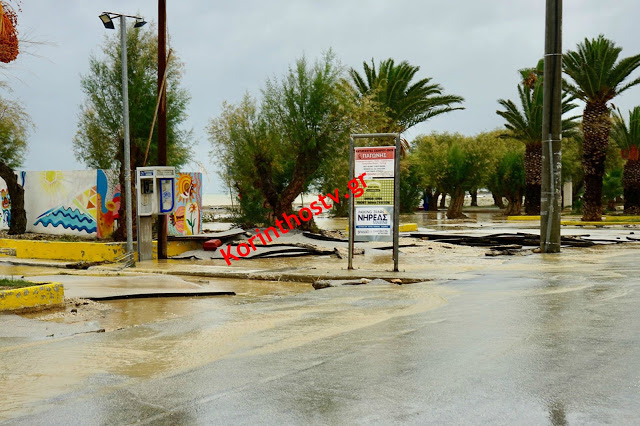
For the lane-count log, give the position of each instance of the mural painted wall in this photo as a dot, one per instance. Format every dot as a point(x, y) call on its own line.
point(187, 216)
point(86, 202)
point(61, 202)
point(5, 206)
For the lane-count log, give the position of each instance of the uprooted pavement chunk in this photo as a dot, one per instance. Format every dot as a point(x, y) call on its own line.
point(320, 284)
point(343, 253)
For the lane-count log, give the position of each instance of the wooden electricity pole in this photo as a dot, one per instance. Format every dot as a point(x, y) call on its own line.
point(551, 200)
point(162, 116)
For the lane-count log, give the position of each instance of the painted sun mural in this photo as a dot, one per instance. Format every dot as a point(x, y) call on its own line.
point(186, 219)
point(87, 202)
point(52, 182)
point(93, 210)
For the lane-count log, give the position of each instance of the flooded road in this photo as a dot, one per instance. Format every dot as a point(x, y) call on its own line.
point(533, 340)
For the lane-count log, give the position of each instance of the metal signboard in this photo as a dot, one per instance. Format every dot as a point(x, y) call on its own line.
point(374, 222)
point(376, 162)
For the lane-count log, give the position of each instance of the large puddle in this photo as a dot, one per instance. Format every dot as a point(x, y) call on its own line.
point(163, 336)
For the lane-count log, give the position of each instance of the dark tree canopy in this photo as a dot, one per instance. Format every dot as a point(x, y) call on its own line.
point(597, 75)
point(15, 126)
point(99, 137)
point(405, 102)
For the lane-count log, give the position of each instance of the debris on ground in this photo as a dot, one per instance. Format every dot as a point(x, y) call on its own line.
point(76, 309)
point(83, 264)
point(320, 284)
point(343, 253)
point(521, 239)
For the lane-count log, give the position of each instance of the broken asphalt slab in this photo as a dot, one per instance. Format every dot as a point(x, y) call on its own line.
point(131, 287)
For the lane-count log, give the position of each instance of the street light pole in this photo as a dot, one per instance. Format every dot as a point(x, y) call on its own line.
point(127, 143)
point(551, 199)
point(162, 116)
point(106, 18)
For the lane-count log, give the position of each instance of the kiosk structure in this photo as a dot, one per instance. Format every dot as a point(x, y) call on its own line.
point(375, 216)
point(155, 190)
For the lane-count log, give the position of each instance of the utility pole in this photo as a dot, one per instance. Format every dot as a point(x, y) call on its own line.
point(162, 116)
point(127, 143)
point(551, 200)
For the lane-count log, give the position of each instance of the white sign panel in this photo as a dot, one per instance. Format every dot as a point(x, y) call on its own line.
point(376, 162)
point(374, 222)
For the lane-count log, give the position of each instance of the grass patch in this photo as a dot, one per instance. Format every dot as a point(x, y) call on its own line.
point(14, 283)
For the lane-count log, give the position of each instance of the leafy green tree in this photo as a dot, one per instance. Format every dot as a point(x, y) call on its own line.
point(406, 103)
point(99, 138)
point(425, 152)
point(279, 145)
point(456, 164)
point(15, 126)
point(598, 77)
point(411, 187)
point(508, 178)
point(525, 125)
point(627, 138)
point(612, 187)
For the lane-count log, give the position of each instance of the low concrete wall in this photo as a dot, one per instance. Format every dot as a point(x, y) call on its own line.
point(38, 296)
point(80, 251)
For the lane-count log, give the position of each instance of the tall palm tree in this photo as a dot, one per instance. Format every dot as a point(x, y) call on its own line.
point(405, 103)
point(526, 126)
point(597, 77)
point(628, 139)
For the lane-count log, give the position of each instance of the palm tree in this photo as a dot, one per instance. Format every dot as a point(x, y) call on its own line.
point(597, 77)
point(526, 126)
point(405, 104)
point(628, 139)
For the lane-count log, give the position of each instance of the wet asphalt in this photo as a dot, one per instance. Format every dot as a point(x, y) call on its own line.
point(538, 340)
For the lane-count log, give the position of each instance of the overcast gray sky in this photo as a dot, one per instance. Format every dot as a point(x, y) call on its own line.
point(471, 47)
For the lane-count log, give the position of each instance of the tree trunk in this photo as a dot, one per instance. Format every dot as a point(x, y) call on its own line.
point(455, 206)
point(432, 199)
point(532, 194)
point(515, 205)
point(631, 184)
point(497, 201)
point(433, 204)
point(533, 178)
point(443, 200)
point(474, 197)
point(18, 220)
point(596, 125)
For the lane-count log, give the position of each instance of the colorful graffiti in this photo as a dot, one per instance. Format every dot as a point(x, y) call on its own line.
point(68, 218)
point(87, 202)
point(5, 211)
point(186, 219)
point(59, 201)
point(92, 208)
point(108, 200)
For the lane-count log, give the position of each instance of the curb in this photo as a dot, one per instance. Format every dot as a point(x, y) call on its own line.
point(38, 296)
point(290, 276)
point(79, 251)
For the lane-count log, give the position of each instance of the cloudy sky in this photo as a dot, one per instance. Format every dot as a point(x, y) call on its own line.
point(473, 48)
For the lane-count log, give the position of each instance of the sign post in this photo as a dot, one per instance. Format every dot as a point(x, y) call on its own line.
point(375, 215)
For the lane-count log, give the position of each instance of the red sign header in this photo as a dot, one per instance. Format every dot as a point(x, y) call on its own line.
point(375, 153)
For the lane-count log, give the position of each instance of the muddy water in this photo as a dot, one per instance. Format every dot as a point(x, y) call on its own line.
point(7, 269)
point(165, 336)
